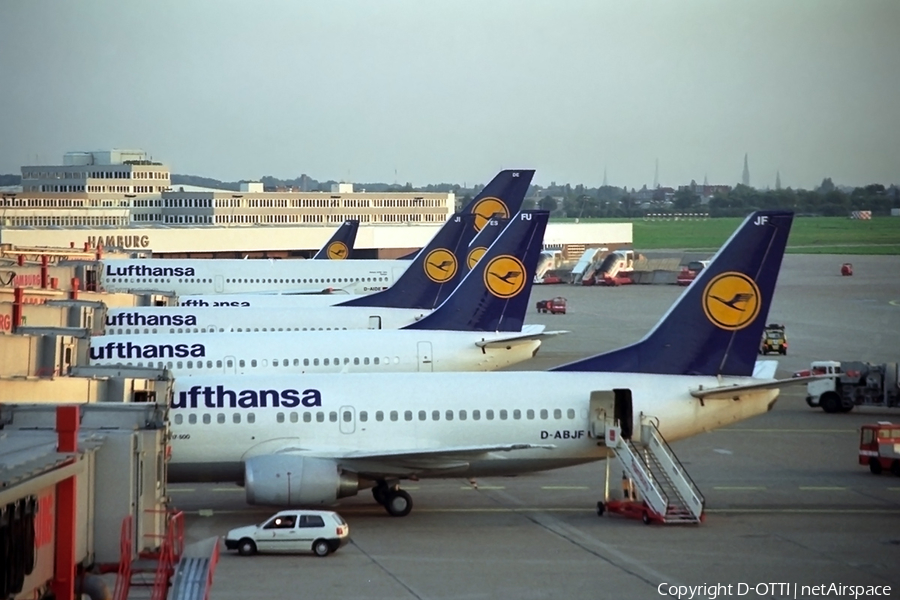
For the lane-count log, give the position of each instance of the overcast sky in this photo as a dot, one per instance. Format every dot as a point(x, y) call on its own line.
point(452, 91)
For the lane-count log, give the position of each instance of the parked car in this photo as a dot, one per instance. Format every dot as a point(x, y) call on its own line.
point(554, 306)
point(319, 531)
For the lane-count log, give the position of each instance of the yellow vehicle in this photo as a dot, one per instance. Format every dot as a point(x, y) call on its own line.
point(773, 340)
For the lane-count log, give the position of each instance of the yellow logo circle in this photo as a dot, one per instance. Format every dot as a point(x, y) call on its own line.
point(504, 276)
point(487, 208)
point(731, 301)
point(474, 256)
point(440, 265)
point(337, 251)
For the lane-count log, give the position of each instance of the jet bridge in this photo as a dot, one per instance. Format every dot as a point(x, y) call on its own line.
point(667, 491)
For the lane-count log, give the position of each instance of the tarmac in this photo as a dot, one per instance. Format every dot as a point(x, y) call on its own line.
point(788, 505)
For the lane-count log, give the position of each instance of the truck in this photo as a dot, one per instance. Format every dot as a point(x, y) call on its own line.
point(852, 383)
point(773, 339)
point(879, 447)
point(554, 306)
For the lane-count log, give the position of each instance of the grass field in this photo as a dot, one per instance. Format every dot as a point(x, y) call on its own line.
point(809, 235)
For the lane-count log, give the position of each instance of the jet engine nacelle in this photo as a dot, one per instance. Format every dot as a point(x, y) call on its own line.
point(285, 480)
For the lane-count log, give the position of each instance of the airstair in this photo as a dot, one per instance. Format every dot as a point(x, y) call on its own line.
point(668, 495)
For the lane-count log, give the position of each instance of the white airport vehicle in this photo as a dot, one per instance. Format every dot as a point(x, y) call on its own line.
point(504, 193)
point(479, 327)
point(337, 435)
point(319, 531)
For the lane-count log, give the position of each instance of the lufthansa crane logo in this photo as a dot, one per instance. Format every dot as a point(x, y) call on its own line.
point(440, 265)
point(731, 301)
point(474, 256)
point(337, 251)
point(504, 276)
point(487, 208)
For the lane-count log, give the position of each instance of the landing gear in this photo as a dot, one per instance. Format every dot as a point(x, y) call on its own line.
point(395, 501)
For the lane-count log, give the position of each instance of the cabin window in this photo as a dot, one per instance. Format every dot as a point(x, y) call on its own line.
point(332, 416)
point(218, 364)
point(253, 362)
point(209, 364)
point(241, 363)
point(337, 362)
point(294, 417)
point(375, 360)
point(379, 416)
point(180, 365)
point(346, 361)
point(236, 417)
point(220, 418)
point(274, 362)
point(315, 362)
point(296, 362)
point(363, 416)
point(396, 360)
point(305, 362)
point(462, 415)
point(366, 360)
point(394, 415)
point(489, 414)
point(307, 417)
point(356, 360)
point(169, 364)
point(435, 415)
point(503, 415)
point(192, 419)
point(422, 415)
point(229, 363)
point(407, 415)
point(320, 417)
point(570, 414)
point(190, 364)
point(179, 419)
point(251, 418)
point(279, 418)
point(557, 413)
point(544, 414)
point(476, 415)
point(325, 362)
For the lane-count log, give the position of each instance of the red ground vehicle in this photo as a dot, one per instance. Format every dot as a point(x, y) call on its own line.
point(879, 447)
point(554, 306)
point(690, 272)
point(846, 269)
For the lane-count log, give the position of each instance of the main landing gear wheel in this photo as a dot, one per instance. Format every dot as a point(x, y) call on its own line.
point(398, 503)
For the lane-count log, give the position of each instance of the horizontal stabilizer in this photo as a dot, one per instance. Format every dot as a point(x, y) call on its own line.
point(731, 392)
point(517, 339)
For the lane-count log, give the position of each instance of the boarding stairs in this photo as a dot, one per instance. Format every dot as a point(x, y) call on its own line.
point(664, 485)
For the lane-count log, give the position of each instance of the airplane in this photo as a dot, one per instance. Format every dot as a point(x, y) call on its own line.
point(414, 295)
point(415, 289)
point(313, 440)
point(340, 246)
point(504, 194)
point(479, 327)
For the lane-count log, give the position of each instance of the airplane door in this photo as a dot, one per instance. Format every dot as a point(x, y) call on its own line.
point(348, 419)
point(220, 284)
point(602, 407)
point(425, 357)
point(374, 322)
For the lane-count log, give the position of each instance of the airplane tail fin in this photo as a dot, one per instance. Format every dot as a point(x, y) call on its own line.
point(434, 273)
point(340, 246)
point(492, 229)
point(504, 195)
point(715, 326)
point(494, 295)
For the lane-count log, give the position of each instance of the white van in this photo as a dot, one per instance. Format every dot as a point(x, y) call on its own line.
point(319, 531)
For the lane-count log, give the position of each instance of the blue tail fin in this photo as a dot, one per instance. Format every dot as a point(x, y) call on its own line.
point(483, 240)
point(494, 295)
point(433, 275)
point(340, 246)
point(504, 195)
point(715, 326)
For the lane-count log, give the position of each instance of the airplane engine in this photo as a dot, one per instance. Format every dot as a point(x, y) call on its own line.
point(285, 480)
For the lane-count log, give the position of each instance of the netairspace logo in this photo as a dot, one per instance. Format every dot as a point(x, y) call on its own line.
point(771, 590)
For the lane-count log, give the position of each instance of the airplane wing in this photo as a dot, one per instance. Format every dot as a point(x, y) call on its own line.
point(729, 392)
point(414, 461)
point(517, 338)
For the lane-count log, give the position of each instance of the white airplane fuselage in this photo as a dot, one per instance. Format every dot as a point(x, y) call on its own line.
point(231, 276)
point(203, 319)
point(213, 431)
point(344, 351)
